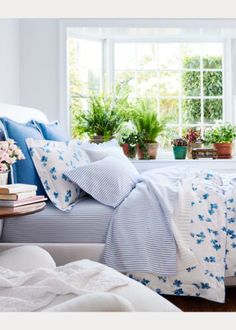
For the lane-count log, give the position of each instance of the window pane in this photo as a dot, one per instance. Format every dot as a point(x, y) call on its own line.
point(94, 81)
point(125, 56)
point(126, 81)
point(94, 54)
point(146, 56)
point(191, 83)
point(168, 135)
point(212, 83)
point(213, 110)
point(212, 55)
point(147, 83)
point(169, 56)
point(83, 81)
point(169, 83)
point(191, 110)
point(169, 109)
point(191, 56)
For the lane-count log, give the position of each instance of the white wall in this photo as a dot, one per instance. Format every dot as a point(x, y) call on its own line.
point(39, 66)
point(9, 61)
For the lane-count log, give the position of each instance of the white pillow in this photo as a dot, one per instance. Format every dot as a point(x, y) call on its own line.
point(51, 160)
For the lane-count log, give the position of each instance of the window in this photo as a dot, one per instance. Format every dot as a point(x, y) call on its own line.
point(183, 81)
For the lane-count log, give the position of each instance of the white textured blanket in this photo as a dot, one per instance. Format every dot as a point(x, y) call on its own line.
point(30, 291)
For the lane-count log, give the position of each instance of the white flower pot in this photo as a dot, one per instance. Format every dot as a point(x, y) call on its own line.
point(3, 178)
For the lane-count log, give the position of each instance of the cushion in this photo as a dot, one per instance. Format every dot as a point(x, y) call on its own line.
point(52, 159)
point(53, 131)
point(26, 258)
point(23, 170)
point(108, 180)
point(111, 148)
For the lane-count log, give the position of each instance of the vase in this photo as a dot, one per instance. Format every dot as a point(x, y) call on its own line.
point(3, 178)
point(180, 152)
point(224, 150)
point(191, 146)
point(129, 151)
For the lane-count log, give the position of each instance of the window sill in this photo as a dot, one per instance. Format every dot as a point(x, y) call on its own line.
point(222, 165)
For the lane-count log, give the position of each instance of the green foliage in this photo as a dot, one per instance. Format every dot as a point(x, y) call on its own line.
point(146, 121)
point(220, 134)
point(212, 86)
point(103, 117)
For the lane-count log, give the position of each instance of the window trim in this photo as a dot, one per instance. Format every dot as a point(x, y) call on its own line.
point(64, 114)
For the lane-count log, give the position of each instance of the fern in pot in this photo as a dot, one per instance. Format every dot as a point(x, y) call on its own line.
point(102, 118)
point(149, 127)
point(222, 137)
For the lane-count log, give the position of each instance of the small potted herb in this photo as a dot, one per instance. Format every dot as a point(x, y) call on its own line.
point(179, 148)
point(222, 137)
point(193, 138)
point(127, 138)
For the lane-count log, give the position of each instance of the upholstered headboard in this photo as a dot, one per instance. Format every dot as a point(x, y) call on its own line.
point(21, 114)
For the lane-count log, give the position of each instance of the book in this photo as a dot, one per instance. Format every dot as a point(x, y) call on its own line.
point(18, 196)
point(17, 188)
point(25, 201)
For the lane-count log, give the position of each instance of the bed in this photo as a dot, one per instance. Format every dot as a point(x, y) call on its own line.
point(80, 234)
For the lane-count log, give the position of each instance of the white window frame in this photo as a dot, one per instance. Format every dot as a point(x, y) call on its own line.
point(108, 69)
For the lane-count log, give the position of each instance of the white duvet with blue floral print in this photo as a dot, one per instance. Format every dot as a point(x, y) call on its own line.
point(212, 240)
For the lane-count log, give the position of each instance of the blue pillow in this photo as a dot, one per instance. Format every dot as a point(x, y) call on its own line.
point(23, 170)
point(53, 131)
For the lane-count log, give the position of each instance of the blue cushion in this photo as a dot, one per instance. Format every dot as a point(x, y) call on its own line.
point(23, 170)
point(53, 131)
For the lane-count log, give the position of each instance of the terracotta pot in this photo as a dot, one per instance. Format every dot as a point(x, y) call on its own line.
point(97, 139)
point(148, 150)
point(129, 151)
point(190, 148)
point(224, 150)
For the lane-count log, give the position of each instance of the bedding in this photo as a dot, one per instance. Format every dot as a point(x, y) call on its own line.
point(87, 222)
point(19, 132)
point(52, 131)
point(52, 159)
point(108, 180)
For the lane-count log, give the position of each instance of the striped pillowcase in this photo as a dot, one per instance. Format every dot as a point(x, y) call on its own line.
point(108, 180)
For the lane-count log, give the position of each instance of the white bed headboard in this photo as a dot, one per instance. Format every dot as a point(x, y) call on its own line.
point(21, 114)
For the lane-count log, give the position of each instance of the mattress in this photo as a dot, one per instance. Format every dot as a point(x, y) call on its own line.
point(87, 222)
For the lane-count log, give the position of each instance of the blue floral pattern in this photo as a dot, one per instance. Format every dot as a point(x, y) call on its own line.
point(212, 224)
point(52, 159)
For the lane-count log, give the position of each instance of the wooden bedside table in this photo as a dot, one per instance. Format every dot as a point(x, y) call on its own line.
point(10, 212)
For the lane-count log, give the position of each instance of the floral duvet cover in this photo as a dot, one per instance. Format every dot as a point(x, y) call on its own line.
point(212, 241)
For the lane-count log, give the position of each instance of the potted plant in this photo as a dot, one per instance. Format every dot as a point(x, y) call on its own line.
point(9, 154)
point(127, 138)
point(193, 138)
point(221, 136)
point(179, 148)
point(149, 127)
point(102, 119)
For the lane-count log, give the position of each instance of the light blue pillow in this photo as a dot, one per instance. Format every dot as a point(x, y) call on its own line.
point(108, 180)
point(24, 170)
point(53, 131)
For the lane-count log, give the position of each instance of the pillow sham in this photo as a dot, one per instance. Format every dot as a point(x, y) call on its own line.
point(108, 180)
point(24, 170)
point(52, 159)
point(53, 131)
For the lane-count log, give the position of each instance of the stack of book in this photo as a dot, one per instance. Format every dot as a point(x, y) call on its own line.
point(14, 195)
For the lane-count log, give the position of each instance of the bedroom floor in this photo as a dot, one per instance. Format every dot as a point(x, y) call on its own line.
point(192, 304)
